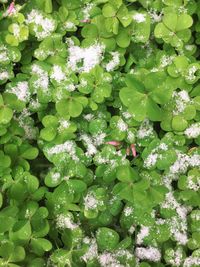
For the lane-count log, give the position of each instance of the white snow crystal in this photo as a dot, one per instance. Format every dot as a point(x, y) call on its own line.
point(63, 221)
point(178, 224)
point(68, 147)
point(191, 73)
point(191, 261)
point(114, 62)
point(128, 211)
point(42, 80)
point(150, 160)
point(154, 16)
point(47, 25)
point(144, 232)
point(88, 117)
point(145, 130)
point(16, 30)
point(4, 75)
point(55, 176)
point(69, 25)
point(108, 259)
point(181, 164)
point(86, 11)
point(21, 90)
point(91, 148)
point(150, 253)
point(90, 202)
point(166, 60)
point(191, 184)
point(139, 17)
point(57, 74)
point(181, 100)
point(193, 131)
point(3, 54)
point(89, 57)
point(121, 125)
point(92, 251)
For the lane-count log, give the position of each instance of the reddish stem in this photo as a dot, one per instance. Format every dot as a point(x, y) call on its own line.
point(85, 21)
point(133, 150)
point(128, 151)
point(11, 7)
point(113, 143)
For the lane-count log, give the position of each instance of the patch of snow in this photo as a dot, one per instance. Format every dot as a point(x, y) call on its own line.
point(89, 57)
point(139, 17)
point(149, 253)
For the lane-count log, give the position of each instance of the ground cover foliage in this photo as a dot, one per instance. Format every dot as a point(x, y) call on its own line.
point(99, 133)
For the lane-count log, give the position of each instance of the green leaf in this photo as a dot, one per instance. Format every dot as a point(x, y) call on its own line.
point(17, 255)
point(161, 31)
point(1, 200)
point(82, 100)
point(61, 107)
point(170, 20)
point(184, 21)
point(157, 194)
point(125, 243)
point(123, 39)
point(179, 123)
point(109, 10)
point(107, 239)
point(48, 134)
point(6, 249)
point(133, 83)
point(48, 6)
point(116, 3)
point(181, 63)
point(75, 108)
point(49, 121)
point(124, 16)
point(40, 245)
point(6, 115)
point(154, 112)
point(128, 94)
point(142, 185)
point(32, 183)
point(77, 186)
point(18, 191)
point(52, 179)
point(161, 96)
point(125, 174)
point(36, 262)
point(189, 112)
point(138, 107)
point(11, 40)
point(30, 153)
point(63, 13)
point(141, 29)
point(126, 192)
point(21, 232)
point(89, 31)
point(112, 25)
point(9, 223)
point(97, 126)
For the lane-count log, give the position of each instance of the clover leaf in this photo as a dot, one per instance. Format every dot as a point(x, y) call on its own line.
point(99, 133)
point(174, 29)
point(11, 253)
point(107, 239)
point(139, 101)
point(71, 106)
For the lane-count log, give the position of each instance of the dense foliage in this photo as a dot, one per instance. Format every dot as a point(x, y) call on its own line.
point(99, 133)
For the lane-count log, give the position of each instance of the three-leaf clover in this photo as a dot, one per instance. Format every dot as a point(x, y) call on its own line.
point(174, 29)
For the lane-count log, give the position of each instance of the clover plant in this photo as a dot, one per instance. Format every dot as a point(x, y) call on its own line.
point(99, 133)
